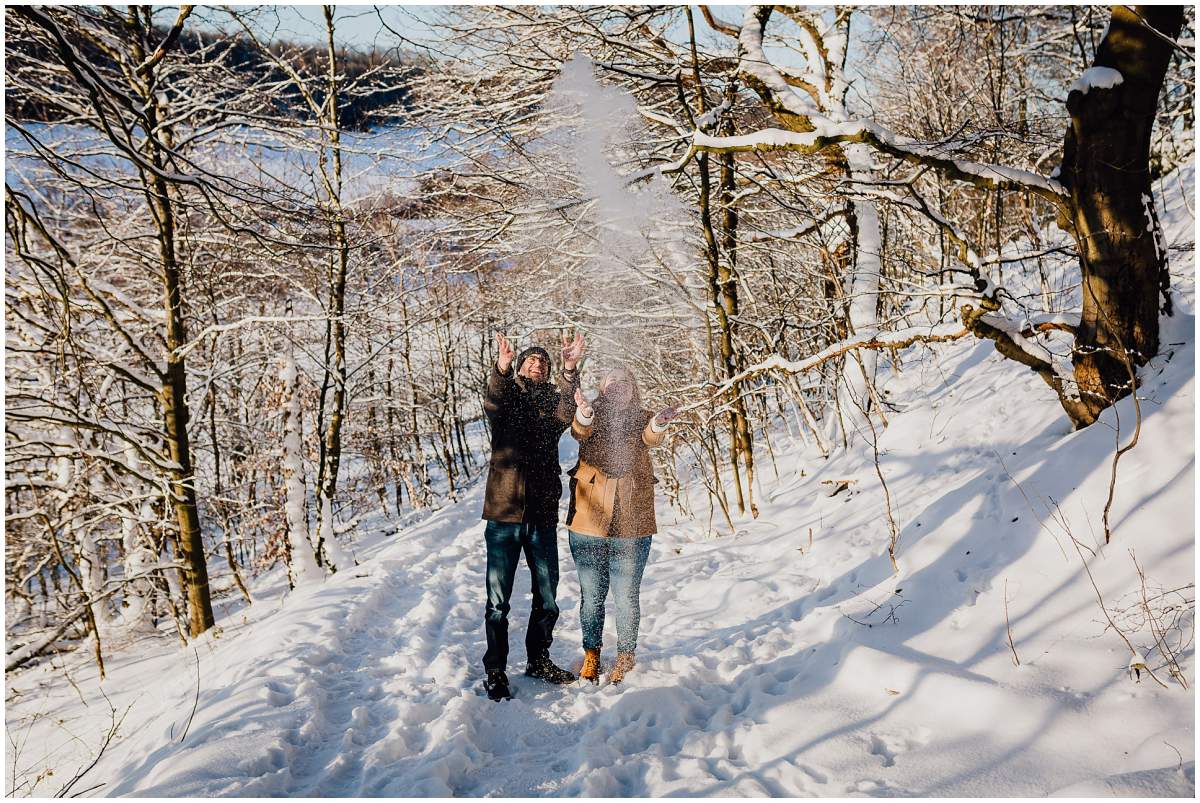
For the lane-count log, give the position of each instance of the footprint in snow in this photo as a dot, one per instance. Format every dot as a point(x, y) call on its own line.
point(890, 746)
point(278, 695)
point(877, 788)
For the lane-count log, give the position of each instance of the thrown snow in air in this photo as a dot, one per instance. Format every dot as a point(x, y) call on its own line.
point(635, 217)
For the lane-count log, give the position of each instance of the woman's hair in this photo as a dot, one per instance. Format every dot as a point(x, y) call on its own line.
point(618, 373)
point(617, 429)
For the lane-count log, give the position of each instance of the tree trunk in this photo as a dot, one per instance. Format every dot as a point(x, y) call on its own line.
point(302, 563)
point(331, 438)
point(425, 498)
point(742, 438)
point(175, 409)
point(1106, 168)
point(218, 504)
point(138, 559)
point(725, 336)
point(862, 283)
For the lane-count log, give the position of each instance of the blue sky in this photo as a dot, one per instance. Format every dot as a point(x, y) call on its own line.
point(358, 27)
point(362, 26)
point(365, 27)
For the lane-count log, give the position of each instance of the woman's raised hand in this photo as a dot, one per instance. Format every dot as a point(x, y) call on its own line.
point(505, 357)
point(585, 408)
point(667, 415)
point(572, 350)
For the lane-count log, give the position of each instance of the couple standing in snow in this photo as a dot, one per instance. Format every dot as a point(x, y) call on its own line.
point(611, 515)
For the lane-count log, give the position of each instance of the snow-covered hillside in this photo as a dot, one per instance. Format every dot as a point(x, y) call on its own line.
point(787, 659)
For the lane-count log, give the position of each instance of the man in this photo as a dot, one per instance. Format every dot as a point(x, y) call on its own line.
point(527, 415)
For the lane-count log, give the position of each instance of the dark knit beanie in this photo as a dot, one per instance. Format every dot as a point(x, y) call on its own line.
point(529, 352)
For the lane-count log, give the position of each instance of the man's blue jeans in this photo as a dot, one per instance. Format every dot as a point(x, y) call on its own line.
point(505, 543)
point(604, 562)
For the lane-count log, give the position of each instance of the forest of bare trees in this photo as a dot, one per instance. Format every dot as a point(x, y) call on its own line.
point(237, 329)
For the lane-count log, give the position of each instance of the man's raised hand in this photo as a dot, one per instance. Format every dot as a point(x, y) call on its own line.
point(505, 357)
point(572, 350)
point(585, 408)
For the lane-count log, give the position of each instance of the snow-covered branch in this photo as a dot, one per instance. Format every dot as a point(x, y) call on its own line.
point(828, 133)
point(877, 341)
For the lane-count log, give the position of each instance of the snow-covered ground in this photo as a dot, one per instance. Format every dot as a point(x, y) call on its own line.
point(785, 659)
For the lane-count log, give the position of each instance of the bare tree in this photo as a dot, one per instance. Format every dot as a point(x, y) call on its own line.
point(1124, 81)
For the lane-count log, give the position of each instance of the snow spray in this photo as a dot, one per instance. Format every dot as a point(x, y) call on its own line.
point(628, 225)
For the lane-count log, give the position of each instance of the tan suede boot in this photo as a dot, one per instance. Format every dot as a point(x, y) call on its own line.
point(591, 666)
point(623, 664)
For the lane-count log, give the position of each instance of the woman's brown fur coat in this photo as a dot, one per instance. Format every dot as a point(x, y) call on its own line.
point(612, 485)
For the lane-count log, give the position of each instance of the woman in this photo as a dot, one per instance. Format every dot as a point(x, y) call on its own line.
point(611, 518)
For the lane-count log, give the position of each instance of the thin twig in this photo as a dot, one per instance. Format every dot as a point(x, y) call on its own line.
point(195, 702)
point(1104, 610)
point(887, 496)
point(108, 738)
point(1156, 628)
point(1029, 503)
point(1137, 431)
point(1008, 626)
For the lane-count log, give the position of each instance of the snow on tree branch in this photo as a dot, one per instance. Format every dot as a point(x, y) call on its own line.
point(894, 340)
point(828, 133)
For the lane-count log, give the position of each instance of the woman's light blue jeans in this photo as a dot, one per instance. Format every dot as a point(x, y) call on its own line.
point(615, 562)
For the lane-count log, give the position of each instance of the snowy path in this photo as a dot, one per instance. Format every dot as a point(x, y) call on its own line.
point(386, 698)
point(392, 706)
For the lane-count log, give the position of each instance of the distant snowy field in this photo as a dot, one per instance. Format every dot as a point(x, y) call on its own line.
point(770, 663)
point(380, 162)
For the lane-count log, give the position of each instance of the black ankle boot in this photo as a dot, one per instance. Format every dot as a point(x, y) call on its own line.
point(541, 667)
point(496, 686)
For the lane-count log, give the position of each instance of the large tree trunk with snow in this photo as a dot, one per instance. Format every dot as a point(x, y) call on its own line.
point(138, 559)
point(302, 565)
point(1106, 167)
point(861, 282)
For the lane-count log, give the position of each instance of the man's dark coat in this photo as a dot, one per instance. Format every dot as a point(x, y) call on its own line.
point(527, 419)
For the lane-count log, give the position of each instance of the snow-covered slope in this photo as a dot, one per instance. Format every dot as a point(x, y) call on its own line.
point(787, 659)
